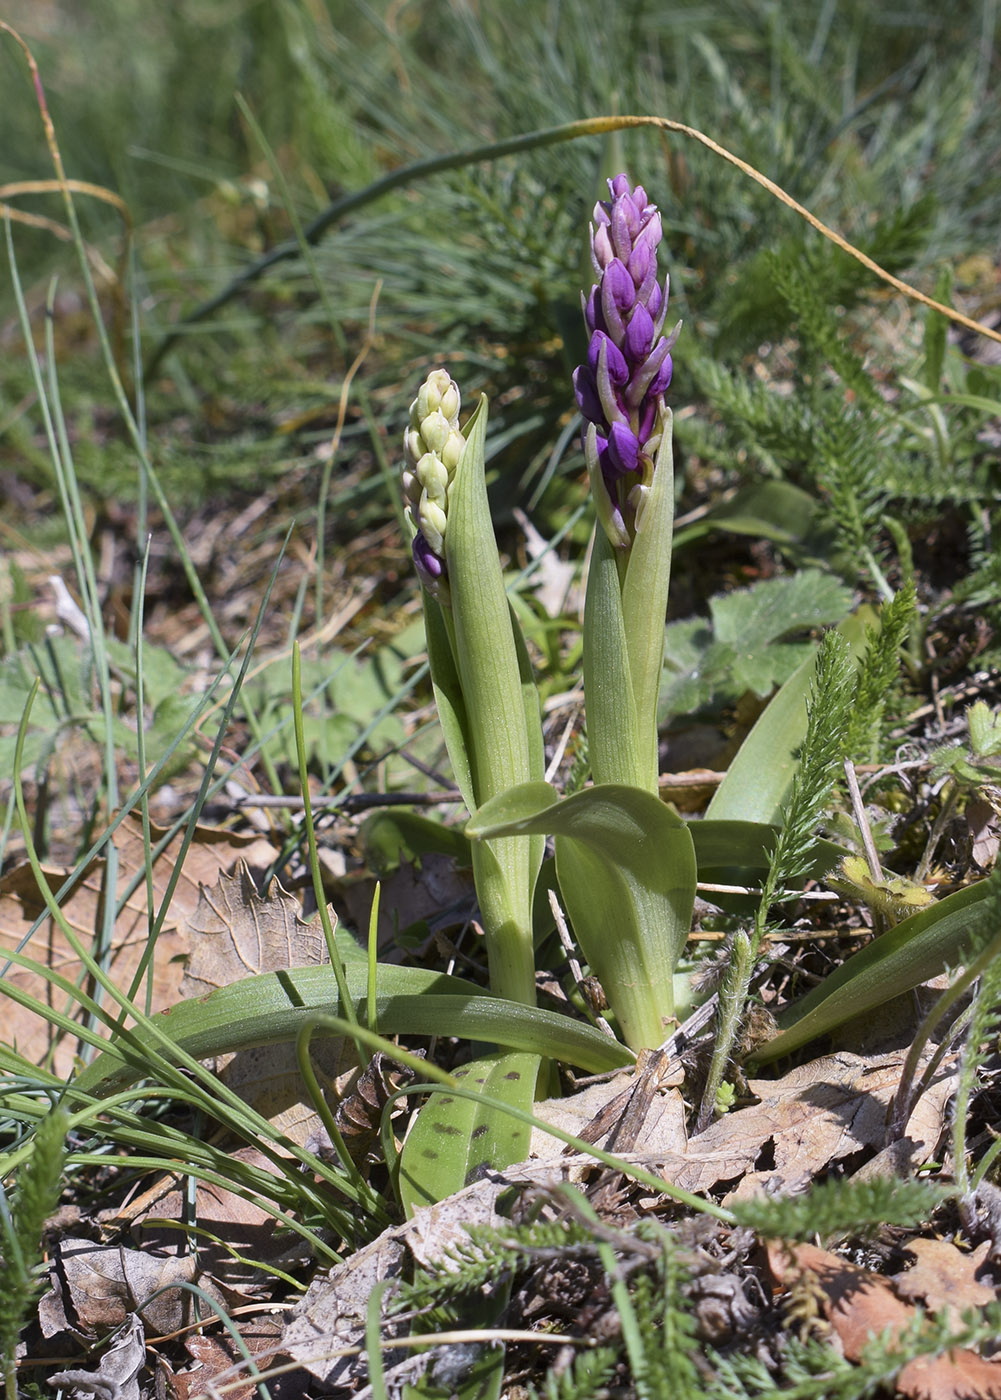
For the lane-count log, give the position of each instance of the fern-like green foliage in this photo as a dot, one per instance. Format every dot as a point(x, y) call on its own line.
point(666, 1330)
point(821, 336)
point(586, 1379)
point(813, 1370)
point(847, 465)
point(829, 714)
point(980, 1042)
point(878, 672)
point(981, 588)
point(830, 710)
point(837, 1207)
point(491, 1253)
point(774, 426)
point(645, 1268)
point(809, 1368)
point(21, 1224)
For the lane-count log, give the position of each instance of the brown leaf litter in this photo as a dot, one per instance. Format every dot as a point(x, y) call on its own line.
point(858, 1305)
point(21, 904)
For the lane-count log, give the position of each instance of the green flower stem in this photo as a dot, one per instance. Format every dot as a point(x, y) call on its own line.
point(624, 614)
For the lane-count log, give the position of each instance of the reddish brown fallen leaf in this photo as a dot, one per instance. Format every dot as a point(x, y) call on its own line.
point(861, 1305)
point(946, 1277)
point(21, 903)
point(220, 1361)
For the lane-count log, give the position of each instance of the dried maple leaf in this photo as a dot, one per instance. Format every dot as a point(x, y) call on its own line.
point(945, 1277)
point(21, 904)
point(861, 1305)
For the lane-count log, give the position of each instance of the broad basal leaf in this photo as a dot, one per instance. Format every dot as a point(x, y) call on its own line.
point(272, 1007)
point(626, 869)
point(947, 935)
point(455, 1139)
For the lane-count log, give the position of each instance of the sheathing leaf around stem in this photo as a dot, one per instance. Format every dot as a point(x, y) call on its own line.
point(502, 750)
point(645, 590)
point(612, 728)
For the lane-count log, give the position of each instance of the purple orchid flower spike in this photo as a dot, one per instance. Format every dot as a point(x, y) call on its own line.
point(620, 390)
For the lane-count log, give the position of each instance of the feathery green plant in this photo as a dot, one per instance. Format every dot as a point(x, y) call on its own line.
point(879, 672)
point(842, 1206)
point(22, 1220)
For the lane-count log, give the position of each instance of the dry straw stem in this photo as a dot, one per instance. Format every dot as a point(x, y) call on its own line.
point(549, 136)
point(408, 174)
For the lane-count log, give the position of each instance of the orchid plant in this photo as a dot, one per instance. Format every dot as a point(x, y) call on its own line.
point(625, 862)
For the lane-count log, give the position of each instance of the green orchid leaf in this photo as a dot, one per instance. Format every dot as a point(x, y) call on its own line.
point(626, 869)
point(492, 678)
point(947, 935)
point(533, 733)
point(645, 590)
point(448, 697)
point(485, 649)
point(759, 780)
point(271, 1007)
point(455, 1139)
point(510, 811)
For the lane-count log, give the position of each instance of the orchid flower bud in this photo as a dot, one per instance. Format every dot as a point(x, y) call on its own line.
point(432, 446)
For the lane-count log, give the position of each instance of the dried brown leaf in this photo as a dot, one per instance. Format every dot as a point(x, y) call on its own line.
point(817, 1114)
point(333, 1312)
point(96, 1287)
point(238, 933)
point(860, 1305)
point(118, 1372)
point(945, 1277)
point(21, 903)
point(220, 1360)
